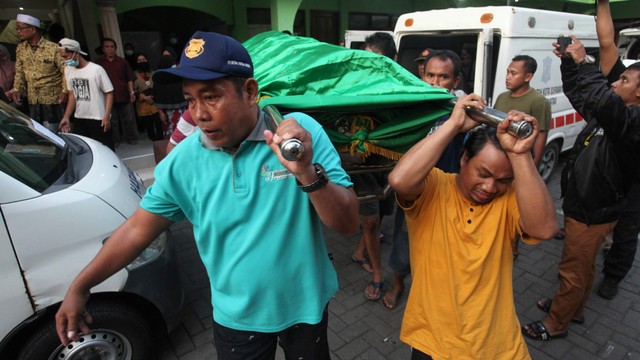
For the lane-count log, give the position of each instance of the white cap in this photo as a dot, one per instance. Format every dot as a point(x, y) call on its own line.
point(29, 20)
point(70, 45)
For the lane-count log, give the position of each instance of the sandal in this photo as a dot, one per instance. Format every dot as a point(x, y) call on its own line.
point(537, 331)
point(364, 263)
point(377, 288)
point(545, 305)
point(391, 302)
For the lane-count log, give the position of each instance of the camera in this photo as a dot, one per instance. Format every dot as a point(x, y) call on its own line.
point(563, 42)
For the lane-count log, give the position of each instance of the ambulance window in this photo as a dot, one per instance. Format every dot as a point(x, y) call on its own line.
point(468, 60)
point(411, 46)
point(358, 45)
point(491, 72)
point(634, 50)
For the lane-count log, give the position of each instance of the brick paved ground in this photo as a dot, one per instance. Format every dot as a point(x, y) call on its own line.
point(362, 329)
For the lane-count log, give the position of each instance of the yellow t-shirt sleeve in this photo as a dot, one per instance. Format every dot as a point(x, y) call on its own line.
point(431, 184)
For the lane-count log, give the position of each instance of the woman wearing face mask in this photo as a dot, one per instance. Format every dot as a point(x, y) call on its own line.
point(168, 51)
point(130, 54)
point(146, 108)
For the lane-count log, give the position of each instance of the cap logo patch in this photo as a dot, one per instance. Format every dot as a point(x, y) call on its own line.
point(195, 48)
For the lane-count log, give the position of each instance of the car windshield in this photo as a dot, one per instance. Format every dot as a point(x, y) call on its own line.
point(29, 152)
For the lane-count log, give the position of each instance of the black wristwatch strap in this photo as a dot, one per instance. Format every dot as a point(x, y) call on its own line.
point(319, 183)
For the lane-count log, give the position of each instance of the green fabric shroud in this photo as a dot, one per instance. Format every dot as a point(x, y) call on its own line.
point(390, 107)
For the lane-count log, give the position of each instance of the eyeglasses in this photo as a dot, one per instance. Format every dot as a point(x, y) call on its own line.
point(20, 28)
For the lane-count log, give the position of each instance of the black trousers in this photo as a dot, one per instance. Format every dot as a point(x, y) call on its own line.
point(419, 355)
point(93, 129)
point(625, 238)
point(300, 341)
point(153, 126)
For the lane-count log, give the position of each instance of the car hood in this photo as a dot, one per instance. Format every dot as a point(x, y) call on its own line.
point(111, 180)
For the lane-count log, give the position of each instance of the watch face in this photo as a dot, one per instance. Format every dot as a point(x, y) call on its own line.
point(319, 183)
point(322, 173)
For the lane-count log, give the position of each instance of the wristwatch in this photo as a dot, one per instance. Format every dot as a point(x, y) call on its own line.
point(319, 183)
point(587, 60)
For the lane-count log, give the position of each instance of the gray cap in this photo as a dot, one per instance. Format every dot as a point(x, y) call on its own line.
point(70, 45)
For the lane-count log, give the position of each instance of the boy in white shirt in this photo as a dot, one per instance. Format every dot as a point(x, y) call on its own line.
point(90, 94)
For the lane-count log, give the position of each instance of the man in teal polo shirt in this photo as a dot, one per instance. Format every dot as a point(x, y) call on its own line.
point(257, 217)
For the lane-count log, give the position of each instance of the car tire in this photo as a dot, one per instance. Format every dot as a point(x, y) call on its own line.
point(118, 332)
point(549, 160)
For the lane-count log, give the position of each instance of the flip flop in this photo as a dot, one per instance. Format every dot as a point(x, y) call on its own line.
point(377, 288)
point(545, 305)
point(393, 301)
point(364, 263)
point(537, 331)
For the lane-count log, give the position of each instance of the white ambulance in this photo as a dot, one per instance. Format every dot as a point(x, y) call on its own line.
point(491, 37)
point(61, 197)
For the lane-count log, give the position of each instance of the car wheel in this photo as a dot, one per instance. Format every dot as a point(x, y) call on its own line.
point(118, 332)
point(549, 160)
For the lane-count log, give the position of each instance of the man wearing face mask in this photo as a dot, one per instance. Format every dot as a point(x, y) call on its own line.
point(90, 95)
point(123, 119)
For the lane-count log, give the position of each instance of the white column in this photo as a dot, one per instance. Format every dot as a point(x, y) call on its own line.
point(88, 25)
point(283, 14)
point(109, 21)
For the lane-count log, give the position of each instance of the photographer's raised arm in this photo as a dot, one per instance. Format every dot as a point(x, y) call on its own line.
point(606, 37)
point(409, 174)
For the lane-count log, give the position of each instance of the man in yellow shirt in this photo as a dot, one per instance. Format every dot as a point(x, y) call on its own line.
point(461, 229)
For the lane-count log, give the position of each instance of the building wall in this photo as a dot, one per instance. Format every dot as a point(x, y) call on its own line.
point(233, 12)
point(219, 9)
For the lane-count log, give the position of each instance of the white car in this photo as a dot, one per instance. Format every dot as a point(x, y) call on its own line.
point(61, 198)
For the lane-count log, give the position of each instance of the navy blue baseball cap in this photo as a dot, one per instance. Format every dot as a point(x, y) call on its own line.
point(209, 56)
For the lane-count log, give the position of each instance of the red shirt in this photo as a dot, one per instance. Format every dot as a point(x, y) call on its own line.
point(119, 72)
point(186, 126)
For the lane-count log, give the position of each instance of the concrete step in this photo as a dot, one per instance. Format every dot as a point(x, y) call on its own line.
point(139, 158)
point(146, 175)
point(138, 162)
